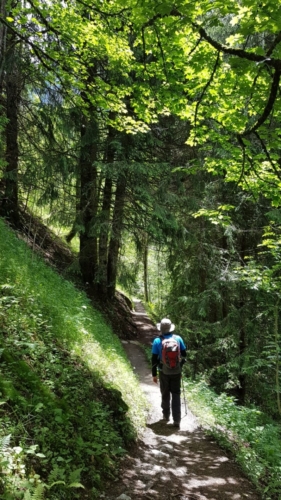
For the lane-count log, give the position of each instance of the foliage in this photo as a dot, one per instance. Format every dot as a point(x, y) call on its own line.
point(66, 412)
point(170, 115)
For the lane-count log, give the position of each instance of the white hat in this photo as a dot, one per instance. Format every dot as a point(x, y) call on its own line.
point(166, 326)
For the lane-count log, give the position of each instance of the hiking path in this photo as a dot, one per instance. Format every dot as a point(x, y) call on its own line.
point(172, 464)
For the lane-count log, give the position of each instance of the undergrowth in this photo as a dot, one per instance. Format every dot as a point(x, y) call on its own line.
point(251, 436)
point(69, 401)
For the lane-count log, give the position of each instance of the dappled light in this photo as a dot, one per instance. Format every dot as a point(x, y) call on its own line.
point(140, 175)
point(183, 463)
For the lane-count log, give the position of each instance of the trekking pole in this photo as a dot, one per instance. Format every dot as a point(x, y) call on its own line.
point(184, 398)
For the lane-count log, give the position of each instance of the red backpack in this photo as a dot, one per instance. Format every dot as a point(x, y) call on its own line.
point(170, 352)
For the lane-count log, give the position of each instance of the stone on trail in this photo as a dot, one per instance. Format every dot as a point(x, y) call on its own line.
point(158, 453)
point(167, 447)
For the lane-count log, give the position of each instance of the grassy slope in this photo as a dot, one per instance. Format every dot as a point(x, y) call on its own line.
point(69, 401)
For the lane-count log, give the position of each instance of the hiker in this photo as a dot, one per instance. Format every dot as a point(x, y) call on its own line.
point(168, 355)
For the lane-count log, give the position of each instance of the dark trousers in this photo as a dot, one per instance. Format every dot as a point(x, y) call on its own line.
point(170, 385)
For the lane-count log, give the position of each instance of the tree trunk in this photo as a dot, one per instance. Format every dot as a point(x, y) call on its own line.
point(105, 215)
point(242, 334)
point(77, 222)
point(3, 41)
point(145, 269)
point(88, 257)
point(242, 346)
point(117, 225)
point(277, 365)
point(9, 205)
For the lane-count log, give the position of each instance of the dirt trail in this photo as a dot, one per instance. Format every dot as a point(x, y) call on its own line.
point(172, 464)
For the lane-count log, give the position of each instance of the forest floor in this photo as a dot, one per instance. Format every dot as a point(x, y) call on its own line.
point(167, 463)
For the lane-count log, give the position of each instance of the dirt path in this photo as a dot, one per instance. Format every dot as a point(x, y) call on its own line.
point(171, 464)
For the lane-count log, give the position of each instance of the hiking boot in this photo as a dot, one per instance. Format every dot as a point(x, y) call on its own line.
point(166, 418)
point(176, 424)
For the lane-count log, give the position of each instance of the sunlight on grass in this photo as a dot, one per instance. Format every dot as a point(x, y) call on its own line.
point(66, 386)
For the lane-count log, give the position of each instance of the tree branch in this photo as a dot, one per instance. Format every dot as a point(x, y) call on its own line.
point(270, 103)
point(274, 44)
point(240, 141)
point(243, 54)
point(102, 13)
point(206, 87)
point(43, 19)
point(278, 174)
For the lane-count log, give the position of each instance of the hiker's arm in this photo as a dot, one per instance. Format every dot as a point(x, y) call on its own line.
point(183, 357)
point(154, 364)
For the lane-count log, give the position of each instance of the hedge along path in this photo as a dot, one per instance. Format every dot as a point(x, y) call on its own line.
point(168, 463)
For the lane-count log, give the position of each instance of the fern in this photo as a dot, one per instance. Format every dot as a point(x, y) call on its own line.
point(5, 443)
point(74, 476)
point(38, 493)
point(7, 287)
point(76, 485)
point(56, 474)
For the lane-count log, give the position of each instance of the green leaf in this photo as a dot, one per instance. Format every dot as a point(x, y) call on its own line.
point(76, 485)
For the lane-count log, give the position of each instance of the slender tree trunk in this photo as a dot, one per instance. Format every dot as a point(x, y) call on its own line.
point(104, 236)
point(105, 214)
point(77, 222)
point(117, 225)
point(277, 367)
point(88, 257)
point(9, 205)
point(242, 347)
point(145, 270)
point(117, 218)
point(3, 41)
point(242, 334)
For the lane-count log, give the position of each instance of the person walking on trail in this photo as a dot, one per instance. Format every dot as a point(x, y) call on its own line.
point(168, 357)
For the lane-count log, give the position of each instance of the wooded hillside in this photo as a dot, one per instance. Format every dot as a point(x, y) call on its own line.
point(148, 134)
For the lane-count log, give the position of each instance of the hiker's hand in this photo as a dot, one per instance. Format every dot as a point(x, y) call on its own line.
point(155, 380)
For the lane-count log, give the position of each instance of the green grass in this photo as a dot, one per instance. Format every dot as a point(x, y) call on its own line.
point(69, 401)
point(251, 436)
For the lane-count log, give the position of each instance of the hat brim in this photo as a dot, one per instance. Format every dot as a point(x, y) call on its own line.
point(171, 329)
